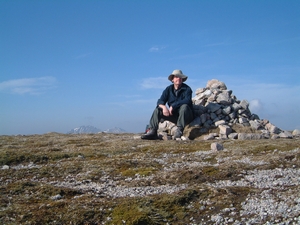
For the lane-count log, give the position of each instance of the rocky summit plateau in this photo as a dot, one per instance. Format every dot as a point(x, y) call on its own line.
point(229, 167)
point(110, 178)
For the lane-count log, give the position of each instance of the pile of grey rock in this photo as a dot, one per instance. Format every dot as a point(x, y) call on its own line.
point(220, 115)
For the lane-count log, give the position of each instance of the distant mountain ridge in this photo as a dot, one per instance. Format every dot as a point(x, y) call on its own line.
point(84, 130)
point(94, 130)
point(116, 130)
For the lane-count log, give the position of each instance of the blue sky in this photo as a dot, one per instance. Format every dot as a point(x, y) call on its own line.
point(64, 64)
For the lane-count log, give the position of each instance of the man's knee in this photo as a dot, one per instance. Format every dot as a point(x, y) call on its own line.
point(187, 112)
point(184, 108)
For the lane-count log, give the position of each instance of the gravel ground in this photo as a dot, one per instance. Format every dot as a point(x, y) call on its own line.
point(275, 198)
point(278, 202)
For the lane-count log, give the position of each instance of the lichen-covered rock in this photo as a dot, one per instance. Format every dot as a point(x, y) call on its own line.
point(285, 134)
point(216, 146)
point(5, 167)
point(194, 132)
point(296, 132)
point(250, 136)
point(225, 129)
point(216, 84)
point(210, 136)
point(272, 128)
point(233, 136)
point(256, 124)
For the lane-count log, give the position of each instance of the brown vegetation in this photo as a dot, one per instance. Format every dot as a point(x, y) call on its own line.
point(47, 179)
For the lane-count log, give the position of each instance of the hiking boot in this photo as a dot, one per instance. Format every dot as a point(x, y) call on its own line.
point(177, 134)
point(151, 134)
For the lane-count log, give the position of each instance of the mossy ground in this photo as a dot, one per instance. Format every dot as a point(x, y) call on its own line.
point(26, 190)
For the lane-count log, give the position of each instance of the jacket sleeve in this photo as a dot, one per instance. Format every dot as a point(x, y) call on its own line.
point(164, 97)
point(185, 98)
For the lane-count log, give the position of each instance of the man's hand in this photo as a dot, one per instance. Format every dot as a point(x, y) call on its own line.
point(171, 110)
point(165, 110)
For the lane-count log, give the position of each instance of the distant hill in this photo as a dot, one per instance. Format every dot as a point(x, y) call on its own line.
point(115, 130)
point(94, 130)
point(84, 130)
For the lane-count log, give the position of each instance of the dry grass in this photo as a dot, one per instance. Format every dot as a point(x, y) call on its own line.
point(38, 163)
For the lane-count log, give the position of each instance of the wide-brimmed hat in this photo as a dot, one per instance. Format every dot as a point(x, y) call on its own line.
point(177, 73)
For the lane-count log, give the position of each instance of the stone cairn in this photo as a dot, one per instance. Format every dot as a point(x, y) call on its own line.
point(220, 115)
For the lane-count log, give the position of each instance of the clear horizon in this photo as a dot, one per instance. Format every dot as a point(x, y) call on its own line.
point(105, 63)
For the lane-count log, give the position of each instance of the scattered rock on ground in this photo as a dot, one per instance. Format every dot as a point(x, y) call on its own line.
point(216, 146)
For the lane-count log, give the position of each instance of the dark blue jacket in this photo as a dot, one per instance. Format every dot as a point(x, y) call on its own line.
point(184, 96)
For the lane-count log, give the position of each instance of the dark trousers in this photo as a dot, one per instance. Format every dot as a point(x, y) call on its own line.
point(181, 118)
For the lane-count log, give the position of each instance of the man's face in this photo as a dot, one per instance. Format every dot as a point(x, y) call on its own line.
point(177, 80)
